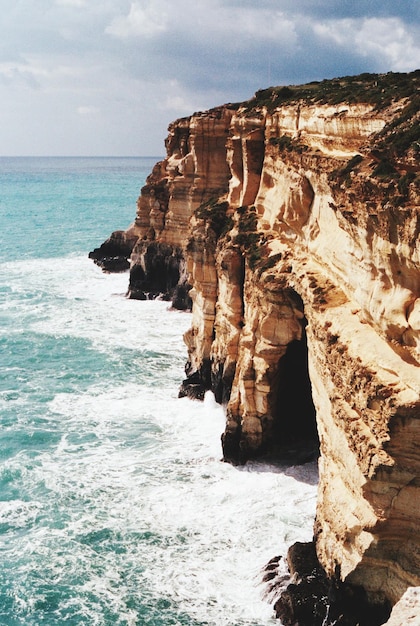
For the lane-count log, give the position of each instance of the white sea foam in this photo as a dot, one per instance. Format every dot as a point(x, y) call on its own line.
point(212, 526)
point(84, 302)
point(128, 508)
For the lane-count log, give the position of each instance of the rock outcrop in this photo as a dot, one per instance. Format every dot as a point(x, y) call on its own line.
point(407, 611)
point(295, 219)
point(194, 171)
point(114, 254)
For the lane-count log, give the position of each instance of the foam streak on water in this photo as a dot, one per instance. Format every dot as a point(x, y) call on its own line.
point(115, 508)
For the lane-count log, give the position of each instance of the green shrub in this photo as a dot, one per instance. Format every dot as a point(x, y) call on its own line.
point(343, 173)
point(379, 90)
point(214, 213)
point(248, 238)
point(404, 183)
point(285, 143)
point(385, 169)
point(403, 132)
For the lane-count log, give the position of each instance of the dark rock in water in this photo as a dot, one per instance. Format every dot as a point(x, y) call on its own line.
point(181, 299)
point(303, 604)
point(276, 577)
point(196, 384)
point(232, 452)
point(312, 599)
point(113, 255)
point(114, 264)
point(158, 271)
point(305, 600)
point(194, 391)
point(303, 561)
point(193, 387)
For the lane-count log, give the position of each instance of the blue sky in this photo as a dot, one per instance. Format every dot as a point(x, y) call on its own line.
point(105, 77)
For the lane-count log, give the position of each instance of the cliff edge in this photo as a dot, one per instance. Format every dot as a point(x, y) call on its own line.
point(290, 223)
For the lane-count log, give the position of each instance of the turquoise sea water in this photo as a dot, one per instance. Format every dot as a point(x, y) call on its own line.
point(115, 508)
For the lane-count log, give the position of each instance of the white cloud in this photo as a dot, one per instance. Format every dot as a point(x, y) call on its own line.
point(22, 74)
point(338, 31)
point(71, 3)
point(388, 40)
point(207, 20)
point(177, 103)
point(176, 100)
point(61, 74)
point(147, 21)
point(111, 74)
point(259, 23)
point(88, 110)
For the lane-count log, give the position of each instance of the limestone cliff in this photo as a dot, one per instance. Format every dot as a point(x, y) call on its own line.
point(294, 217)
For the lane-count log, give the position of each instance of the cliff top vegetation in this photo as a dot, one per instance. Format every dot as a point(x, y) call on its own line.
point(377, 89)
point(399, 139)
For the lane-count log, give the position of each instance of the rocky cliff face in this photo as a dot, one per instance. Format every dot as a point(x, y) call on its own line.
point(295, 219)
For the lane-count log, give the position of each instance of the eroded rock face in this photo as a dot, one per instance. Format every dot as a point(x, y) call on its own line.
point(298, 226)
point(327, 256)
point(407, 610)
point(194, 170)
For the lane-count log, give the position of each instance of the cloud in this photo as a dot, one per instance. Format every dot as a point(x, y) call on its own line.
point(208, 22)
point(71, 3)
point(140, 21)
point(88, 110)
point(20, 74)
point(338, 9)
point(387, 40)
point(176, 99)
point(114, 73)
point(211, 48)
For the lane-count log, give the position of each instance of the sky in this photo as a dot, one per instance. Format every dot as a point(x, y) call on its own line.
point(106, 77)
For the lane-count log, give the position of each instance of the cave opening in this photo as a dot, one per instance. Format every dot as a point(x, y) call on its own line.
point(294, 423)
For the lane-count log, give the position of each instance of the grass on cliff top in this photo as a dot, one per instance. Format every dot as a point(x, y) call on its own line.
point(399, 137)
point(403, 133)
point(377, 89)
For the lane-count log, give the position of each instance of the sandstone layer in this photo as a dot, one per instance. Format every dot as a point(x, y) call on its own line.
point(295, 219)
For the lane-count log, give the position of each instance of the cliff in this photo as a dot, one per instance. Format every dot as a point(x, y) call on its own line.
point(294, 218)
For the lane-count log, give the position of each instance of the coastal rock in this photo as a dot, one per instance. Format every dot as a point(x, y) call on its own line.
point(407, 611)
point(113, 255)
point(312, 599)
point(194, 170)
point(295, 219)
point(156, 270)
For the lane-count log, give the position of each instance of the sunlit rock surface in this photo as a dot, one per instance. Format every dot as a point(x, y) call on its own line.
point(407, 611)
point(294, 217)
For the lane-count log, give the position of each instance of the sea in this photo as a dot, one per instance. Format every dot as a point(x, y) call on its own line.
point(115, 505)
